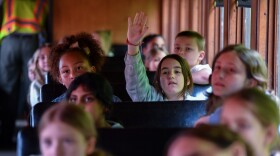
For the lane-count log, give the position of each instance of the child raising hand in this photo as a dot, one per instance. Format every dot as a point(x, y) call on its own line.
point(173, 79)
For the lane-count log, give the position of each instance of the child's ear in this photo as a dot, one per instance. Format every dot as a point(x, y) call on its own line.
point(90, 145)
point(60, 80)
point(252, 83)
point(201, 55)
point(237, 149)
point(270, 135)
point(93, 69)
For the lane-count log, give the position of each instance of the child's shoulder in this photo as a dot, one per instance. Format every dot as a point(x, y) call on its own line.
point(199, 67)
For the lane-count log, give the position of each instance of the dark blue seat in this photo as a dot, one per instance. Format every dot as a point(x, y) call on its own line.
point(167, 114)
point(28, 142)
point(49, 92)
point(119, 50)
point(113, 64)
point(37, 112)
point(119, 142)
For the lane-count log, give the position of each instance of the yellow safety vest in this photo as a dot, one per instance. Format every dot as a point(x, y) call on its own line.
point(23, 16)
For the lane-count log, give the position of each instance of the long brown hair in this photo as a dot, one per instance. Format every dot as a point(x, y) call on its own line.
point(255, 69)
point(188, 82)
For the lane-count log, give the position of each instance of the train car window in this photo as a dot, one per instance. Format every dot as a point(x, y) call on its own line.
point(247, 27)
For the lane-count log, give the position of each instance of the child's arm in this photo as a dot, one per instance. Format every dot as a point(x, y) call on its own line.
point(137, 83)
point(202, 76)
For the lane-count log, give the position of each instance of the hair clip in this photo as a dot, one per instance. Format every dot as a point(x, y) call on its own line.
point(86, 49)
point(75, 45)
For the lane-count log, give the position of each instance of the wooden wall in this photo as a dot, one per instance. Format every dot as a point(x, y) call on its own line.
point(168, 17)
point(73, 16)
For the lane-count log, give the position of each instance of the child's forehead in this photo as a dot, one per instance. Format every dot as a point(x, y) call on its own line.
point(228, 55)
point(186, 40)
point(45, 49)
point(170, 63)
point(73, 53)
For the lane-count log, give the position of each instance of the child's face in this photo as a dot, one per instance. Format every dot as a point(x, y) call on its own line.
point(155, 61)
point(156, 42)
point(229, 75)
point(171, 78)
point(241, 120)
point(60, 139)
point(43, 60)
point(71, 65)
point(191, 146)
point(91, 104)
point(187, 48)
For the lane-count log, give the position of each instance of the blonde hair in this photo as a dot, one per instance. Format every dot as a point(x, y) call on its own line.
point(71, 115)
point(262, 105)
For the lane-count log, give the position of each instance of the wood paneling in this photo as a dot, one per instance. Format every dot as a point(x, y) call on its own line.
point(272, 44)
point(230, 22)
point(168, 17)
point(72, 16)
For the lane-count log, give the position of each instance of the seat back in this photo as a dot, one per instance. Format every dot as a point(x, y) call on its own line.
point(119, 142)
point(167, 114)
point(49, 92)
point(27, 142)
point(37, 112)
point(135, 141)
point(114, 64)
point(201, 90)
point(151, 76)
point(119, 50)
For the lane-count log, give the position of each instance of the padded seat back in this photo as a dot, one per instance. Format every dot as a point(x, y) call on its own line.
point(49, 92)
point(167, 114)
point(37, 112)
point(28, 142)
point(119, 142)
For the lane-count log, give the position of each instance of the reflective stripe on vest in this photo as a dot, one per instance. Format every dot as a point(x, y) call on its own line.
point(29, 21)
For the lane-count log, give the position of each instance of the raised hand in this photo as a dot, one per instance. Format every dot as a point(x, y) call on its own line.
point(136, 29)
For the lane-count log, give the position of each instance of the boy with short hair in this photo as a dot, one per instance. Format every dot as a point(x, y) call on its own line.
point(190, 45)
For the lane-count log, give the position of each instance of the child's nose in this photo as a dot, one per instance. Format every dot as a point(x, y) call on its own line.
point(181, 52)
point(56, 149)
point(222, 74)
point(73, 75)
point(171, 75)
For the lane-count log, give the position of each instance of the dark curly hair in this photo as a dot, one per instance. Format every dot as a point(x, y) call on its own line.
point(86, 46)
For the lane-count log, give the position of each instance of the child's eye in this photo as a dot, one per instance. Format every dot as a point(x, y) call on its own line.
point(66, 71)
point(68, 140)
point(177, 71)
point(217, 67)
point(47, 142)
point(232, 70)
point(177, 48)
point(88, 99)
point(243, 126)
point(73, 99)
point(80, 68)
point(164, 72)
point(42, 57)
point(188, 49)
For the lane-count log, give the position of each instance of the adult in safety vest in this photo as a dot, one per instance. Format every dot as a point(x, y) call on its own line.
point(22, 21)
